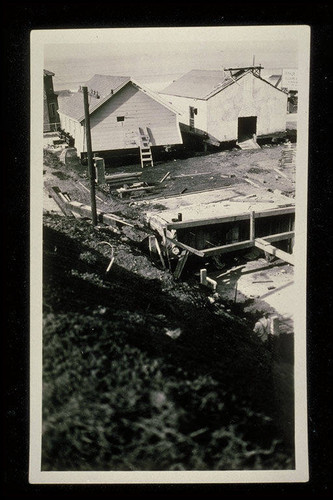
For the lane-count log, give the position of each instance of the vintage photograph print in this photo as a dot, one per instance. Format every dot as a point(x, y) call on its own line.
point(168, 241)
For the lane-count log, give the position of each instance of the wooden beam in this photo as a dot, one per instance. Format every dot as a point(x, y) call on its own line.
point(122, 191)
point(199, 253)
point(240, 245)
point(166, 175)
point(116, 177)
point(203, 276)
point(232, 247)
point(241, 68)
point(62, 203)
point(206, 280)
point(164, 242)
point(282, 174)
point(280, 254)
point(85, 211)
point(263, 242)
point(279, 236)
point(160, 253)
point(230, 218)
point(181, 264)
point(113, 218)
point(275, 211)
point(252, 225)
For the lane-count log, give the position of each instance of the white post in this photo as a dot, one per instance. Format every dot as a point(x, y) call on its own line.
point(203, 276)
point(275, 326)
point(252, 226)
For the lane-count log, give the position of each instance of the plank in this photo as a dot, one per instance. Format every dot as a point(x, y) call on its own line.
point(85, 211)
point(261, 243)
point(109, 217)
point(166, 248)
point(252, 183)
point(230, 218)
point(164, 177)
point(280, 254)
point(252, 225)
point(179, 244)
point(160, 253)
point(58, 197)
point(124, 191)
point(279, 236)
point(282, 174)
point(117, 177)
point(240, 245)
point(181, 263)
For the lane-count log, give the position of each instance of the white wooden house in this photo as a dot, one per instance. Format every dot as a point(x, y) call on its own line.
point(228, 105)
point(118, 108)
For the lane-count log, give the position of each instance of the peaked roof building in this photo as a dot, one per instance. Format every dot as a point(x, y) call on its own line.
point(198, 84)
point(119, 107)
point(235, 104)
point(101, 88)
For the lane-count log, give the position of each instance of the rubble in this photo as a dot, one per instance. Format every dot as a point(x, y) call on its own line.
point(269, 165)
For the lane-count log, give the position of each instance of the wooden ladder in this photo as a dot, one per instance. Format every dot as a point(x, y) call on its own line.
point(146, 156)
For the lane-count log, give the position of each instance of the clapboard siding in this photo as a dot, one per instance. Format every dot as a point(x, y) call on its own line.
point(138, 110)
point(75, 129)
point(182, 104)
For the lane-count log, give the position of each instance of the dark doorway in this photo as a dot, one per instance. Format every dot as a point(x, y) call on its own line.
point(247, 126)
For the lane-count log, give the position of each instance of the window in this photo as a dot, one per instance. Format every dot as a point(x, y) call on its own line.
point(120, 118)
point(53, 110)
point(193, 111)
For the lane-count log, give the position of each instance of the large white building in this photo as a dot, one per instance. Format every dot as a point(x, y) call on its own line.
point(230, 105)
point(118, 108)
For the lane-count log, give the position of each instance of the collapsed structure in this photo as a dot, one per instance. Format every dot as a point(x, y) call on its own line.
point(123, 116)
point(215, 226)
point(235, 104)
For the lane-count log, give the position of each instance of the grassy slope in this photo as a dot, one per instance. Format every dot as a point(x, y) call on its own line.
point(120, 394)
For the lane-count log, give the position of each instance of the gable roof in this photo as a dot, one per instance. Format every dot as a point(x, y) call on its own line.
point(197, 83)
point(105, 86)
point(203, 84)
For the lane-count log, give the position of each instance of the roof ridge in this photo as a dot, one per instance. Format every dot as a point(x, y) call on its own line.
point(112, 76)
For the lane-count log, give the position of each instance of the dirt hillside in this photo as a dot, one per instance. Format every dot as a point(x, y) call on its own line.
point(142, 372)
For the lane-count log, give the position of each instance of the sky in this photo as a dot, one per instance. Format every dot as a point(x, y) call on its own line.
point(160, 55)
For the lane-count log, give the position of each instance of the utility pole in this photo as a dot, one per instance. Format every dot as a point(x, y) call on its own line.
point(90, 159)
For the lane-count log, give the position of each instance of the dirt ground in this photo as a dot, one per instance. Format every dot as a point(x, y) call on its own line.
point(266, 174)
point(246, 286)
point(114, 342)
point(236, 168)
point(209, 171)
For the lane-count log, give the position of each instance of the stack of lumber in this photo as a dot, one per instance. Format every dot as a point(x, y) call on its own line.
point(117, 180)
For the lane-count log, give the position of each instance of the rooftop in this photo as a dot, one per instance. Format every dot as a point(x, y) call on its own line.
point(103, 85)
point(198, 84)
